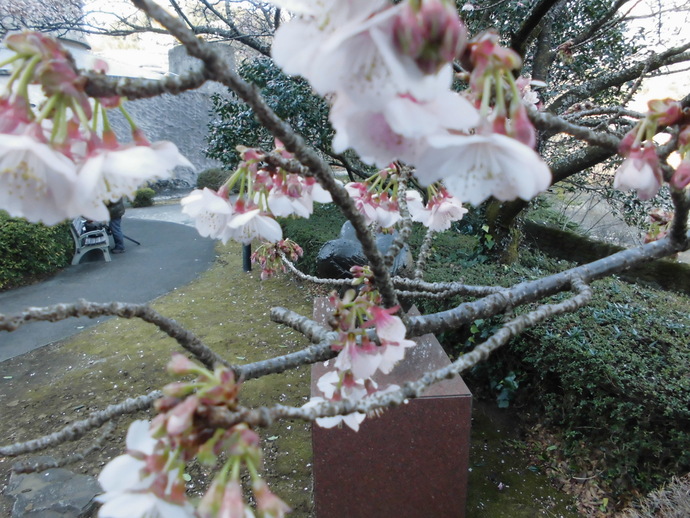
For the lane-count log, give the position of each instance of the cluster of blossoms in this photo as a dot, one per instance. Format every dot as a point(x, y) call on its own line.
point(387, 70)
point(149, 479)
point(641, 170)
point(363, 353)
point(440, 210)
point(55, 161)
point(263, 192)
point(377, 198)
point(269, 256)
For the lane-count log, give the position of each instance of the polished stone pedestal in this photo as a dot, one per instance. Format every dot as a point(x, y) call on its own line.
point(411, 461)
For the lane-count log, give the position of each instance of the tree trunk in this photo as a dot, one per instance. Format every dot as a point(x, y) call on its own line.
point(503, 221)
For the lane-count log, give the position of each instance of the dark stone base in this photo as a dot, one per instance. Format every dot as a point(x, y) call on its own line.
point(410, 462)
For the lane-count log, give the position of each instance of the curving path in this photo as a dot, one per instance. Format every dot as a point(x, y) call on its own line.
point(171, 255)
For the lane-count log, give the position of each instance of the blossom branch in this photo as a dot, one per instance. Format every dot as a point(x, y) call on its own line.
point(406, 228)
point(311, 278)
point(545, 120)
point(219, 70)
point(83, 308)
point(424, 252)
point(266, 416)
point(530, 291)
point(99, 85)
point(653, 63)
point(315, 353)
point(314, 331)
point(454, 288)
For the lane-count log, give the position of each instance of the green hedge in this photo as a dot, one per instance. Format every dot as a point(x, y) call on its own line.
point(143, 197)
point(29, 251)
point(614, 376)
point(212, 178)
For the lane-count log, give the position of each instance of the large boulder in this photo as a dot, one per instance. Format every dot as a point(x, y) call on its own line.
point(337, 257)
point(54, 493)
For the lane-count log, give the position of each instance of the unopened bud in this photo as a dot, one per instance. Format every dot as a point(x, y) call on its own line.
point(431, 33)
point(665, 111)
point(681, 176)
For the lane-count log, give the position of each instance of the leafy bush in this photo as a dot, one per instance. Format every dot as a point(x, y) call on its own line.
point(143, 197)
point(614, 376)
point(291, 98)
point(29, 250)
point(212, 178)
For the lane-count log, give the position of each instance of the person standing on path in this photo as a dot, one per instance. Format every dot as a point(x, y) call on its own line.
point(117, 210)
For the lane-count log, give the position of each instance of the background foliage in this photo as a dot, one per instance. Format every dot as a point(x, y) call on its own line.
point(291, 99)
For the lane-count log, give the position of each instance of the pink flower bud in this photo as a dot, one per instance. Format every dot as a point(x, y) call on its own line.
point(181, 417)
point(139, 137)
point(684, 136)
point(522, 128)
point(432, 34)
point(627, 143)
point(681, 176)
point(180, 364)
point(407, 34)
point(267, 503)
point(665, 111)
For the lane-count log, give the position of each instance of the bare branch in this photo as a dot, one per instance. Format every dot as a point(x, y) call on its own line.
point(99, 443)
point(219, 71)
point(265, 416)
point(78, 429)
point(83, 308)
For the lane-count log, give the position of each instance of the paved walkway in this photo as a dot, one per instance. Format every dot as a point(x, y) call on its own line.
point(171, 254)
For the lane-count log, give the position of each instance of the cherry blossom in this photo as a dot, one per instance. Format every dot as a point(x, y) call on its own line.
point(640, 172)
point(391, 332)
point(249, 222)
point(35, 179)
point(362, 359)
point(397, 129)
point(439, 213)
point(269, 256)
point(352, 420)
point(478, 166)
point(294, 194)
point(111, 174)
point(133, 490)
point(351, 50)
point(681, 176)
point(211, 213)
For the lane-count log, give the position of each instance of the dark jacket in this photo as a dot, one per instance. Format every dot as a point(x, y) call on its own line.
point(116, 208)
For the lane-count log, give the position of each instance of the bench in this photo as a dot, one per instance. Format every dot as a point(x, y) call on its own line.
point(87, 240)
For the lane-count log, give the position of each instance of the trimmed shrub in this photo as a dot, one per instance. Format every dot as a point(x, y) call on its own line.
point(29, 251)
point(143, 197)
point(614, 376)
point(212, 178)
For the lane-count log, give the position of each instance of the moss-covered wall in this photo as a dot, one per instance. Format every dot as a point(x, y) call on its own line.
point(563, 244)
